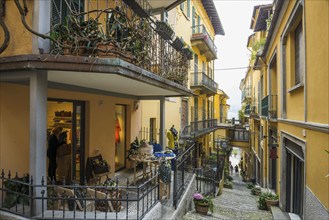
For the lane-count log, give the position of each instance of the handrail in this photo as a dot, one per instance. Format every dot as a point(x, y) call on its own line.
point(200, 78)
point(201, 29)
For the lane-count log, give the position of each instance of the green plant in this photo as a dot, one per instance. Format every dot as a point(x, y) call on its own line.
point(262, 202)
point(204, 200)
point(250, 185)
point(256, 47)
point(266, 196)
point(228, 184)
point(17, 191)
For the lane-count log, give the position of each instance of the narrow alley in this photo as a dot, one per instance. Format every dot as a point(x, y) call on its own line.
point(236, 203)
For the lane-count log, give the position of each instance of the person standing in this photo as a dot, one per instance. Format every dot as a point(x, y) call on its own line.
point(53, 145)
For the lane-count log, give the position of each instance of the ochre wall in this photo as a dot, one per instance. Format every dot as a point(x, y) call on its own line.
point(317, 66)
point(100, 124)
point(20, 38)
point(14, 128)
point(316, 159)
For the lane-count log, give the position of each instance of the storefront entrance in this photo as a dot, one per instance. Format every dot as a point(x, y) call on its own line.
point(69, 115)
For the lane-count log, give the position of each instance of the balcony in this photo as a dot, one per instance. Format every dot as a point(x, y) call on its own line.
point(239, 134)
point(202, 40)
point(264, 106)
point(121, 35)
point(201, 81)
point(198, 128)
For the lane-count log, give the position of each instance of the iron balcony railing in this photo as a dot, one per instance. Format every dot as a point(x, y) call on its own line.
point(109, 201)
point(272, 111)
point(201, 79)
point(200, 32)
point(239, 134)
point(264, 107)
point(198, 128)
point(113, 30)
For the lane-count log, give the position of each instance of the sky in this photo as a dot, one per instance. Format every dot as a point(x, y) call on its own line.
point(232, 52)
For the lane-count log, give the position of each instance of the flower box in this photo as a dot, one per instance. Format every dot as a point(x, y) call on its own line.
point(164, 30)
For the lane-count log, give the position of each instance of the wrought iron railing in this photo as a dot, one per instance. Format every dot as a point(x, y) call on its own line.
point(239, 134)
point(201, 29)
point(183, 172)
point(206, 181)
point(111, 29)
point(272, 111)
point(197, 128)
point(201, 79)
point(111, 201)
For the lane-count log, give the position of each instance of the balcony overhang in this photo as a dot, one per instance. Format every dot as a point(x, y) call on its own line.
point(108, 76)
point(205, 45)
point(203, 89)
point(159, 5)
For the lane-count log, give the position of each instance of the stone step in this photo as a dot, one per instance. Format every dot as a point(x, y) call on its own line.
point(278, 214)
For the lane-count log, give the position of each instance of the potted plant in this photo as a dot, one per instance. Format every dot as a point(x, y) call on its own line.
point(178, 43)
point(271, 199)
point(164, 30)
point(256, 191)
point(203, 203)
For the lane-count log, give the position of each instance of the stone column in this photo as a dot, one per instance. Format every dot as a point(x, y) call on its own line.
point(38, 135)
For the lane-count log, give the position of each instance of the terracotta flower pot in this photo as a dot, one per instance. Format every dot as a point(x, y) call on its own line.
point(270, 202)
point(201, 208)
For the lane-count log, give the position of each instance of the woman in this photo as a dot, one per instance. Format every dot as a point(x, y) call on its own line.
point(53, 145)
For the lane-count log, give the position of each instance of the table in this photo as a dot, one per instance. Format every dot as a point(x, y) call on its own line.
point(146, 160)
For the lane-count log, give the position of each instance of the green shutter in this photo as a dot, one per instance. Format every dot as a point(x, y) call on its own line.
point(188, 8)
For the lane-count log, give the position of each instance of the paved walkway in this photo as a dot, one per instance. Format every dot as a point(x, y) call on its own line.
point(236, 203)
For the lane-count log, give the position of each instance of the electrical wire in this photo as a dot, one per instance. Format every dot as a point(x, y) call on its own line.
point(237, 68)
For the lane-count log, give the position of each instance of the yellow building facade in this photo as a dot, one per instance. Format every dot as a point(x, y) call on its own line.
point(292, 118)
point(194, 115)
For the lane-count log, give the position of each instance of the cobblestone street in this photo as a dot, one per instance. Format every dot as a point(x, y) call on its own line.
point(236, 203)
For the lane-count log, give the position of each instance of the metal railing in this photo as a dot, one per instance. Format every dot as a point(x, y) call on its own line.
point(108, 31)
point(206, 181)
point(201, 29)
point(197, 128)
point(112, 201)
point(239, 134)
point(184, 165)
point(272, 111)
point(202, 79)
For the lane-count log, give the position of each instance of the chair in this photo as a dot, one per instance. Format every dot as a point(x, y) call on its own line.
point(65, 194)
point(100, 195)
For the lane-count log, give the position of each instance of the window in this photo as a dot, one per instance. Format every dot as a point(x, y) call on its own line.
point(299, 54)
point(193, 20)
point(188, 8)
point(60, 9)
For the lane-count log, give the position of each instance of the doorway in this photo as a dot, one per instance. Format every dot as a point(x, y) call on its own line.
point(70, 116)
point(120, 137)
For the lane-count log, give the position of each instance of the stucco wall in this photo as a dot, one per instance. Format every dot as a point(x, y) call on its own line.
point(317, 66)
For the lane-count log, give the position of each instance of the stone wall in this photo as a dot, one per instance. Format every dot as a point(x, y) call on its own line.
point(313, 208)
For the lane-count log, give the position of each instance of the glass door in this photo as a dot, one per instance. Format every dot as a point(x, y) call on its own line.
point(120, 137)
point(78, 145)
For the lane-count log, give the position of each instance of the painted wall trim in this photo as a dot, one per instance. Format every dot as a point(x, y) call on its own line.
point(310, 125)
